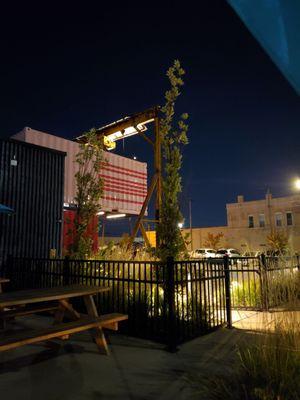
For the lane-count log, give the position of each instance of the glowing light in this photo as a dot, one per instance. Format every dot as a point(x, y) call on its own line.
point(127, 132)
point(112, 216)
point(100, 213)
point(180, 225)
point(297, 184)
point(109, 145)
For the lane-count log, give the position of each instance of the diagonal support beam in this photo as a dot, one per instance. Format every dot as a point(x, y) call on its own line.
point(142, 213)
point(143, 231)
point(144, 136)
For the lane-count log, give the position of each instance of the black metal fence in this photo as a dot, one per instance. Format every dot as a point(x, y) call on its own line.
point(260, 283)
point(169, 303)
point(172, 302)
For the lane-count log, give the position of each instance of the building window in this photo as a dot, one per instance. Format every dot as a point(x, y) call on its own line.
point(289, 218)
point(278, 219)
point(250, 221)
point(262, 222)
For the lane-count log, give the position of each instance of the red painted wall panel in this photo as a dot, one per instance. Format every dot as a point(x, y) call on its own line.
point(69, 230)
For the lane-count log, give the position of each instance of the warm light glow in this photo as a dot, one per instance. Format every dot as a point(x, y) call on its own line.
point(130, 131)
point(100, 213)
point(297, 184)
point(111, 216)
point(109, 145)
point(113, 137)
point(180, 225)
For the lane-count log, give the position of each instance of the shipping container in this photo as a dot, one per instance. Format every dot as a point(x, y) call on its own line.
point(125, 180)
point(31, 181)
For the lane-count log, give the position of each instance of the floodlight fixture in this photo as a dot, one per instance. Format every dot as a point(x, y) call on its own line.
point(113, 216)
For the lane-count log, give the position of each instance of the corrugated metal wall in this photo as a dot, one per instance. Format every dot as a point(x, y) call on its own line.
point(34, 189)
point(125, 184)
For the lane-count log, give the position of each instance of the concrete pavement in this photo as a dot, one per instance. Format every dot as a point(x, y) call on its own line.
point(136, 370)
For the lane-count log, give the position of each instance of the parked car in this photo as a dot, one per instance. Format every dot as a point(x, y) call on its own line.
point(227, 252)
point(203, 253)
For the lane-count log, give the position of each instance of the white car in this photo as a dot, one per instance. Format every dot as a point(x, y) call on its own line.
point(227, 252)
point(204, 253)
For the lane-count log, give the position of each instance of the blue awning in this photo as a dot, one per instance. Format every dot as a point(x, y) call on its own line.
point(276, 25)
point(6, 210)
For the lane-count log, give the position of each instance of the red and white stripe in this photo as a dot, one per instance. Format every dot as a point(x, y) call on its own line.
point(125, 186)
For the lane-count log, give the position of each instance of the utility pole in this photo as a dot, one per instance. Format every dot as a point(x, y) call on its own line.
point(191, 229)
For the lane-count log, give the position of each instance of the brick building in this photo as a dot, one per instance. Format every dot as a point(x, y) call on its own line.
point(250, 222)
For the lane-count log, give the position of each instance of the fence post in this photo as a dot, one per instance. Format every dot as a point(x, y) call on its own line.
point(227, 292)
point(264, 282)
point(66, 271)
point(171, 318)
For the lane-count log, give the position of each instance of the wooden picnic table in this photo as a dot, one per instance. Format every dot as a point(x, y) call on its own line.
point(3, 280)
point(58, 299)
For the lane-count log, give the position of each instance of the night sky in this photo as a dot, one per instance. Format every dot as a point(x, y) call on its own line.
point(65, 70)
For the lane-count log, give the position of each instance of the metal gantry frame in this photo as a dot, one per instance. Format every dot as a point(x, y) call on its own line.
point(135, 121)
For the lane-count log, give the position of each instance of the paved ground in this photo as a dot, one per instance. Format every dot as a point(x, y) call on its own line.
point(136, 370)
point(264, 321)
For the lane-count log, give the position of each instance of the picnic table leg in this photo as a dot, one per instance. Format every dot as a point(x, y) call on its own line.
point(59, 314)
point(69, 308)
point(98, 333)
point(58, 318)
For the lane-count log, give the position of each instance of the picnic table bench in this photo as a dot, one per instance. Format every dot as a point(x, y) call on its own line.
point(58, 300)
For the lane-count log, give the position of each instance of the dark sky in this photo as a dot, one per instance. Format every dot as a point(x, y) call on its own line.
point(66, 69)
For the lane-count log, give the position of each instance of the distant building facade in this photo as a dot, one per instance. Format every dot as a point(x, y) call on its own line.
point(250, 222)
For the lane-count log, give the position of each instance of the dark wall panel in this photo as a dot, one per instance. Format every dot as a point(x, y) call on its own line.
point(34, 189)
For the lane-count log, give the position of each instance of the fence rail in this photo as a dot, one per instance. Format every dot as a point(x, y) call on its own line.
point(260, 283)
point(168, 302)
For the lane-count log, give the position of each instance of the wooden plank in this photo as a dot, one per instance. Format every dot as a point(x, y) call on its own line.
point(68, 307)
point(41, 295)
point(143, 209)
point(64, 306)
point(97, 333)
point(113, 323)
point(132, 120)
point(22, 338)
point(19, 312)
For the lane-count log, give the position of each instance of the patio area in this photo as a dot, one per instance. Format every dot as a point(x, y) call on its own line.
point(135, 370)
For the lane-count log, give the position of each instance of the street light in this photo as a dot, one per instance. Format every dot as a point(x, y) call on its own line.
point(180, 225)
point(297, 184)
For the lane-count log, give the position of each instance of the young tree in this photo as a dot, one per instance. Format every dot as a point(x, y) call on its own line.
point(173, 136)
point(213, 241)
point(89, 190)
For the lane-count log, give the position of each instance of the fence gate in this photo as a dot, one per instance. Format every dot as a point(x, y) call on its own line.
point(261, 283)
